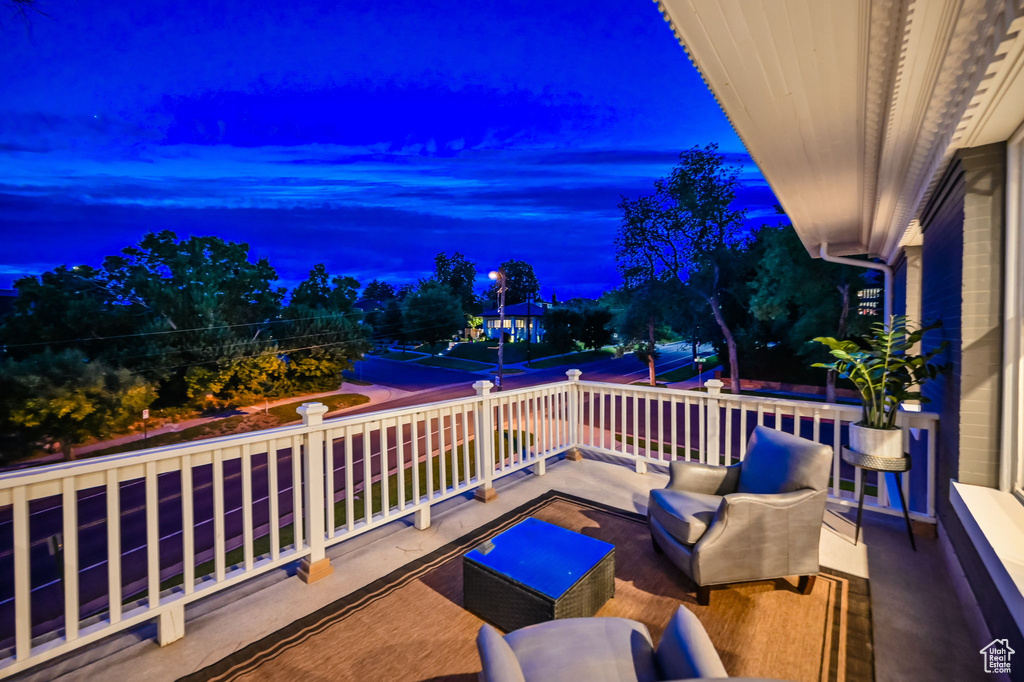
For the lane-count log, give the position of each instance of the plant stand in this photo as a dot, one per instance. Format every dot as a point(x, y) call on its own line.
point(882, 465)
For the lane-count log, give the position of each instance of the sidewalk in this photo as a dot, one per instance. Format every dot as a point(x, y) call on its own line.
point(376, 394)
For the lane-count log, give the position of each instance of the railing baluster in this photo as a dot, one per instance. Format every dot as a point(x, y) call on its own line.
point(219, 557)
point(442, 465)
point(297, 514)
point(687, 433)
point(273, 502)
point(113, 545)
point(702, 411)
point(465, 446)
point(400, 461)
point(152, 536)
point(69, 507)
point(188, 526)
point(636, 424)
point(428, 444)
point(778, 418)
point(350, 486)
point(837, 425)
point(22, 576)
point(329, 492)
point(603, 422)
point(367, 476)
point(593, 416)
point(743, 432)
point(247, 531)
point(499, 427)
point(414, 443)
point(648, 436)
point(385, 470)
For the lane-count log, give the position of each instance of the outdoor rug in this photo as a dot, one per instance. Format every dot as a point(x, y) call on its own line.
point(410, 624)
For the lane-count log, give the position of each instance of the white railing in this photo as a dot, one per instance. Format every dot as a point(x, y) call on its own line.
point(101, 545)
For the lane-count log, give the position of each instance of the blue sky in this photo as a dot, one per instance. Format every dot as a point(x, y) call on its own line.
point(365, 135)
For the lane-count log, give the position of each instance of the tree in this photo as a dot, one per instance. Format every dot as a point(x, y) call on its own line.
point(67, 399)
point(63, 305)
point(379, 291)
point(643, 321)
point(458, 274)
point(432, 313)
point(685, 231)
point(314, 293)
point(391, 323)
point(562, 329)
point(804, 297)
point(520, 282)
point(595, 328)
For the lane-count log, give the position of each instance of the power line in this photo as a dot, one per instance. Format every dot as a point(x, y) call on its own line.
point(199, 329)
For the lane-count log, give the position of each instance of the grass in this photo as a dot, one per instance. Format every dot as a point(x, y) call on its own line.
point(399, 355)
point(356, 382)
point(261, 545)
point(487, 351)
point(451, 363)
point(573, 359)
point(242, 423)
point(432, 348)
point(647, 383)
point(687, 372)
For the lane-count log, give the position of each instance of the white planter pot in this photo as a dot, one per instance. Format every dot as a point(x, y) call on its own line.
point(876, 442)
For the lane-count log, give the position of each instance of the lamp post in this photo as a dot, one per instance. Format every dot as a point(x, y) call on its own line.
point(499, 276)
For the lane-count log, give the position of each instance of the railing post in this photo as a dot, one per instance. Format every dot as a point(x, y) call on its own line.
point(574, 454)
point(714, 387)
point(484, 442)
point(316, 565)
point(171, 624)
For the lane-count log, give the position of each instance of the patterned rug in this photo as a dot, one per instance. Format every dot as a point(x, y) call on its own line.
point(410, 624)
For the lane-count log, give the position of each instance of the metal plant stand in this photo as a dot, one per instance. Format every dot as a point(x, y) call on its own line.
point(882, 465)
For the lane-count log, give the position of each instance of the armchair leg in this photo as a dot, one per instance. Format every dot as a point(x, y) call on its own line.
point(704, 595)
point(806, 584)
point(657, 547)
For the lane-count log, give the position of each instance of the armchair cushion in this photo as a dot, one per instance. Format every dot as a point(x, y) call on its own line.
point(599, 649)
point(685, 650)
point(778, 462)
point(685, 515)
point(709, 479)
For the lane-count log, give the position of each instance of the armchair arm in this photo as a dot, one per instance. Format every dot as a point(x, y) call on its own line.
point(499, 661)
point(754, 537)
point(695, 477)
point(685, 650)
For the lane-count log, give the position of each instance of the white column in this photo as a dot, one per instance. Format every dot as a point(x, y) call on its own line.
point(484, 438)
point(316, 565)
point(714, 387)
point(575, 427)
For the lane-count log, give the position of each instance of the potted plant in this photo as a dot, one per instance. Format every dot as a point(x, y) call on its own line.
point(880, 366)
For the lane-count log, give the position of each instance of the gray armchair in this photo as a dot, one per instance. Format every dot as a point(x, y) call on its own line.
point(756, 520)
point(597, 649)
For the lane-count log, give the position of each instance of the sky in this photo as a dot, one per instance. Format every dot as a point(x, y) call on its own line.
point(367, 136)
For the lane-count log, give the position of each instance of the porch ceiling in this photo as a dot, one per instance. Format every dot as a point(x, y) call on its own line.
point(849, 107)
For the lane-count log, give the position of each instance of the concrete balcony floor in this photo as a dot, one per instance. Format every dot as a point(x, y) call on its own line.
point(925, 624)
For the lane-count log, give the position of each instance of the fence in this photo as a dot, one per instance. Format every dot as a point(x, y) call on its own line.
point(101, 545)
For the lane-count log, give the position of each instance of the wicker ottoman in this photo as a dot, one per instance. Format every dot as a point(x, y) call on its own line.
point(536, 571)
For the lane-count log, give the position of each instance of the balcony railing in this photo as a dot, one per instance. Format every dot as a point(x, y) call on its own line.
point(101, 545)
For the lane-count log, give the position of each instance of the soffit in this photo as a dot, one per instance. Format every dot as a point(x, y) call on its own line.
point(847, 106)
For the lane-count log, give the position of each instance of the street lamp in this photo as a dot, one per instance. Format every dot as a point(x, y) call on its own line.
point(499, 277)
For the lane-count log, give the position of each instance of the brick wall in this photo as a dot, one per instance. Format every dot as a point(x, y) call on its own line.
point(981, 316)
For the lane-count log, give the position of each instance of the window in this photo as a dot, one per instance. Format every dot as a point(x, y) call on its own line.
point(1012, 455)
point(520, 324)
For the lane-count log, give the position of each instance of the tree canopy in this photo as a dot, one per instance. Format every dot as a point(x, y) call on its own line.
point(520, 283)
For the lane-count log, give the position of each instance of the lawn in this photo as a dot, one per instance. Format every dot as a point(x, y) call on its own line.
point(451, 363)
point(400, 355)
point(573, 359)
point(487, 351)
point(687, 372)
point(242, 423)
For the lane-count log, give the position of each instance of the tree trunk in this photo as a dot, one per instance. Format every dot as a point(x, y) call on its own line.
point(730, 341)
point(650, 352)
point(830, 380)
point(67, 448)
